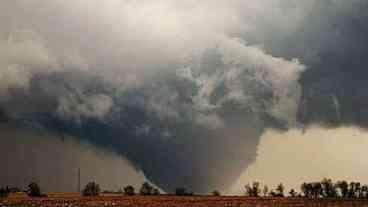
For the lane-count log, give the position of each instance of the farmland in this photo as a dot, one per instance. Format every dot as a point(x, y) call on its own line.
point(70, 200)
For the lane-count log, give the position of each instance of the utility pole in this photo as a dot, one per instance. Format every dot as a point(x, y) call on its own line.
point(79, 180)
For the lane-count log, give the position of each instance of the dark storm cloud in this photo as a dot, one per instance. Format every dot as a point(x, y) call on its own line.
point(175, 87)
point(158, 126)
point(332, 42)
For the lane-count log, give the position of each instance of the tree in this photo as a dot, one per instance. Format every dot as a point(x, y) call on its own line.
point(4, 192)
point(328, 188)
point(306, 189)
point(265, 191)
point(312, 190)
point(248, 190)
point(216, 193)
point(316, 189)
point(280, 190)
point(354, 190)
point(343, 187)
point(34, 190)
point(358, 189)
point(91, 189)
point(364, 192)
point(146, 189)
point(129, 190)
point(255, 188)
point(252, 191)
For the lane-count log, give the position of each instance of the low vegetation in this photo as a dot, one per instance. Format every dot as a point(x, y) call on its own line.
point(4, 192)
point(181, 201)
point(322, 193)
point(313, 190)
point(129, 190)
point(216, 193)
point(91, 189)
point(34, 190)
point(147, 189)
point(340, 189)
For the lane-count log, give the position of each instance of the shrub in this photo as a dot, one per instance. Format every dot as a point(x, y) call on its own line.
point(34, 190)
point(293, 193)
point(4, 192)
point(252, 190)
point(129, 190)
point(91, 189)
point(146, 189)
point(216, 193)
point(280, 190)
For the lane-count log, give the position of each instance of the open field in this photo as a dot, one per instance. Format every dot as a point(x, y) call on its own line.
point(174, 201)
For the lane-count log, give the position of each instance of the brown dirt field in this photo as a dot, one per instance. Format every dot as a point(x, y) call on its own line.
point(173, 201)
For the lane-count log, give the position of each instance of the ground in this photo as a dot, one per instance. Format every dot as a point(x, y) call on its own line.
point(73, 200)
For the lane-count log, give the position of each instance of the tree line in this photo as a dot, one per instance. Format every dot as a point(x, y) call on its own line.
point(32, 190)
point(311, 190)
point(329, 189)
point(93, 189)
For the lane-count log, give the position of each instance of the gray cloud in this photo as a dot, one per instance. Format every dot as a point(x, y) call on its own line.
point(77, 108)
point(331, 42)
point(183, 90)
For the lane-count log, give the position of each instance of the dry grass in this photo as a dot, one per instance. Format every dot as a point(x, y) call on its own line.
point(73, 200)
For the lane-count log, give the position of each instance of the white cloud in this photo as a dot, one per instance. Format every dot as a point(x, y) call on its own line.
point(22, 54)
point(129, 42)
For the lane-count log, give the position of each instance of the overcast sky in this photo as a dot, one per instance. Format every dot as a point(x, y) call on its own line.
point(193, 94)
